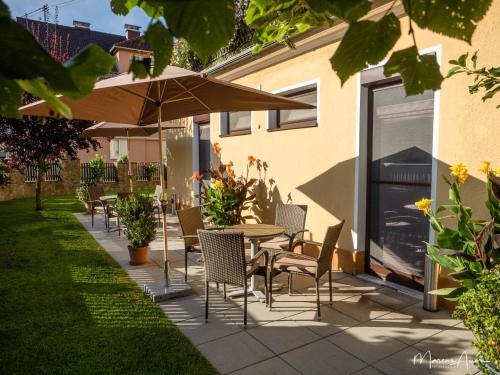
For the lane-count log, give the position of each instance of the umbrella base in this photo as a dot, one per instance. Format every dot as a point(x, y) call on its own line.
point(160, 292)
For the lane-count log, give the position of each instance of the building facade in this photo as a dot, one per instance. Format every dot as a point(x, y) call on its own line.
point(366, 153)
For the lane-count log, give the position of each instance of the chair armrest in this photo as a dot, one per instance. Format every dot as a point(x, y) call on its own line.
point(260, 253)
point(292, 243)
point(190, 236)
point(293, 255)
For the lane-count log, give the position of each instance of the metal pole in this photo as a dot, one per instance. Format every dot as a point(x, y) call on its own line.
point(129, 165)
point(431, 271)
point(163, 190)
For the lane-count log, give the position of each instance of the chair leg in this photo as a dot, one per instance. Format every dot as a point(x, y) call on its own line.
point(317, 299)
point(289, 283)
point(224, 286)
point(330, 286)
point(217, 286)
point(266, 290)
point(92, 211)
point(186, 264)
point(245, 309)
point(206, 301)
point(118, 223)
point(270, 290)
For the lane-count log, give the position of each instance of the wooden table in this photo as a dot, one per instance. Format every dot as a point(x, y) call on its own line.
point(255, 233)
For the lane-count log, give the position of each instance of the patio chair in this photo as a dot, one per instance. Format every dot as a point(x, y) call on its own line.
point(190, 220)
point(300, 264)
point(157, 203)
point(96, 204)
point(112, 214)
point(292, 218)
point(225, 262)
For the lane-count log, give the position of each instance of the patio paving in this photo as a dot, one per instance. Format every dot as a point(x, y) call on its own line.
point(370, 329)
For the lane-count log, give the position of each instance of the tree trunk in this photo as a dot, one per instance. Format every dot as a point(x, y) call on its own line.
point(38, 190)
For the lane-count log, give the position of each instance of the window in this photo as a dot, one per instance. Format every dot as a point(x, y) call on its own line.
point(118, 147)
point(296, 118)
point(236, 123)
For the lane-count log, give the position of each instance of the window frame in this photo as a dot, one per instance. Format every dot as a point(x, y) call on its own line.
point(225, 125)
point(121, 152)
point(290, 92)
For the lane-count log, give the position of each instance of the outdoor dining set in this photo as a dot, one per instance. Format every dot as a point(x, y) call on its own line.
point(273, 248)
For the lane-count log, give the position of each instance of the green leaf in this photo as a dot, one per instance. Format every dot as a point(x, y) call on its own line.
point(85, 67)
point(419, 72)
point(161, 42)
point(456, 19)
point(4, 10)
point(122, 7)
point(10, 97)
point(365, 42)
point(350, 10)
point(451, 294)
point(38, 88)
point(139, 69)
point(206, 28)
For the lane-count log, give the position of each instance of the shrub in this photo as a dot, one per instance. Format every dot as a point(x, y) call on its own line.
point(82, 192)
point(97, 165)
point(480, 310)
point(5, 169)
point(150, 169)
point(123, 159)
point(137, 216)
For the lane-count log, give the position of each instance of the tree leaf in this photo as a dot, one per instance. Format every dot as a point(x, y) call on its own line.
point(349, 11)
point(365, 42)
point(10, 97)
point(160, 40)
point(451, 294)
point(38, 88)
point(419, 72)
point(206, 27)
point(122, 7)
point(456, 19)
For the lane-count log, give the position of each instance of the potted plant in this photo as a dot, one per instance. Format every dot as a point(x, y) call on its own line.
point(136, 214)
point(227, 196)
point(82, 193)
point(149, 169)
point(123, 159)
point(97, 167)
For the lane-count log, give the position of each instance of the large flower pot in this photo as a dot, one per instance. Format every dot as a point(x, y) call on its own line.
point(138, 255)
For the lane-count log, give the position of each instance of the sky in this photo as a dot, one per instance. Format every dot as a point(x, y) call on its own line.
point(97, 12)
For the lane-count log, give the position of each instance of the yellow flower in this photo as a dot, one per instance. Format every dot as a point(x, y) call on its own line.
point(496, 172)
point(485, 167)
point(460, 172)
point(424, 205)
point(218, 184)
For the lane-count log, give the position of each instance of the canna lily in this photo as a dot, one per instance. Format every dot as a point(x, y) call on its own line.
point(485, 168)
point(424, 205)
point(217, 149)
point(197, 176)
point(231, 173)
point(251, 160)
point(218, 184)
point(460, 172)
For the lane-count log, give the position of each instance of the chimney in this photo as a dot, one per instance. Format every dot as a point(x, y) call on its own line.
point(81, 25)
point(132, 31)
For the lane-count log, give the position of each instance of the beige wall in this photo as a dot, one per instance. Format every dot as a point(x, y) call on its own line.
point(124, 57)
point(316, 166)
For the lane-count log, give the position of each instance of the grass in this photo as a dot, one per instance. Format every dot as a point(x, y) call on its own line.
point(67, 307)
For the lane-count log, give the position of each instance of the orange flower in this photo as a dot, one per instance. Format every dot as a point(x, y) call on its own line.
point(229, 165)
point(231, 173)
point(216, 148)
point(197, 176)
point(251, 160)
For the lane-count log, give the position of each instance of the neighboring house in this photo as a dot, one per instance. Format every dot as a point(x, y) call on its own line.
point(365, 154)
point(66, 41)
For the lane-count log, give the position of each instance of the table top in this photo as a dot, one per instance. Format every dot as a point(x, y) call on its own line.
point(256, 231)
point(108, 197)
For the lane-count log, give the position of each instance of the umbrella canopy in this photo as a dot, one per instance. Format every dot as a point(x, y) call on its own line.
point(176, 93)
point(181, 93)
point(110, 129)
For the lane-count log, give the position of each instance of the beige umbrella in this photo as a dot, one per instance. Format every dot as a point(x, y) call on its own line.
point(176, 93)
point(111, 129)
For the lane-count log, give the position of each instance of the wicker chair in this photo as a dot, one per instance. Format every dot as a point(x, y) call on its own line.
point(301, 264)
point(292, 218)
point(190, 220)
point(112, 214)
point(225, 262)
point(96, 204)
point(157, 202)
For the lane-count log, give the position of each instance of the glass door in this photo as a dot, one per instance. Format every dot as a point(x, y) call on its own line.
point(399, 174)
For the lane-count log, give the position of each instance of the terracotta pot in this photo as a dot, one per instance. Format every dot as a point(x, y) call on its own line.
point(138, 256)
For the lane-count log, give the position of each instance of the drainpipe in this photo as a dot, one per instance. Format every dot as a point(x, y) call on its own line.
point(431, 270)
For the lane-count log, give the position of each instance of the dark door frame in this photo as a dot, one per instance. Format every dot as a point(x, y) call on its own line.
point(412, 281)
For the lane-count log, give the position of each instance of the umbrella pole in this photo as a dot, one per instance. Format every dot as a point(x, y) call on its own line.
point(129, 165)
point(163, 191)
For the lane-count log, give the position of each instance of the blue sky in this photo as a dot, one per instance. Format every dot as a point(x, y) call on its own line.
point(97, 12)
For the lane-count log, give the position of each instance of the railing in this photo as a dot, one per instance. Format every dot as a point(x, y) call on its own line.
point(88, 176)
point(141, 174)
point(53, 173)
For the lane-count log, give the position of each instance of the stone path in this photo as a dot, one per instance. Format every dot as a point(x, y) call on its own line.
point(370, 329)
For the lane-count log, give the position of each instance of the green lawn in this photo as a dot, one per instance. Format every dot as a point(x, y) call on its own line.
point(67, 307)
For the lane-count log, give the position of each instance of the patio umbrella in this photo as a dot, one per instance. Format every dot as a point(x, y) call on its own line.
point(176, 93)
point(110, 129)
